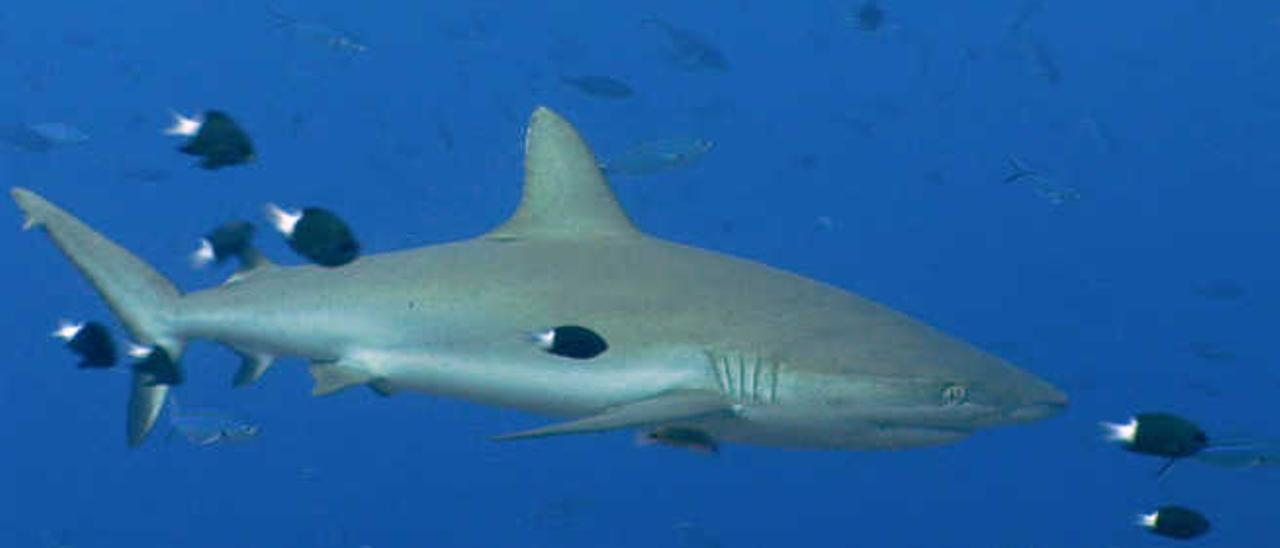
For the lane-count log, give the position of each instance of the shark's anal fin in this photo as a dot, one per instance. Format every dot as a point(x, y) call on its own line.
point(667, 407)
point(252, 366)
point(332, 377)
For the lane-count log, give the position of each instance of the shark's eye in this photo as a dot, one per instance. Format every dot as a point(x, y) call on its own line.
point(954, 394)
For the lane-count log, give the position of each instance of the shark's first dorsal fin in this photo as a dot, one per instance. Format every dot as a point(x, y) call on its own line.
point(565, 195)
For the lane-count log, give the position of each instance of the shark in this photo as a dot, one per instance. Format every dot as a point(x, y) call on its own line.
point(698, 340)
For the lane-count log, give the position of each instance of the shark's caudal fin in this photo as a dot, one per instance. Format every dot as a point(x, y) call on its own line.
point(565, 195)
point(142, 298)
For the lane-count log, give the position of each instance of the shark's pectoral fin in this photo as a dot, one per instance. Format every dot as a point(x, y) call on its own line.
point(332, 377)
point(664, 408)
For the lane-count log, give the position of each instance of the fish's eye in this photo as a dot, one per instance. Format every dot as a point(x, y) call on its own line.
point(954, 394)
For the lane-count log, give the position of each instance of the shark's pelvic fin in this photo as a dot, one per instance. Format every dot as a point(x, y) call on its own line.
point(252, 366)
point(669, 407)
point(332, 377)
point(565, 195)
point(142, 298)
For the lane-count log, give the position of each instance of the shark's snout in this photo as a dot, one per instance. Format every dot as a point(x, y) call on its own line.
point(1041, 400)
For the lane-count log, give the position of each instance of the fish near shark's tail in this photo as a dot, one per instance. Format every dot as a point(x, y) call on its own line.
point(141, 297)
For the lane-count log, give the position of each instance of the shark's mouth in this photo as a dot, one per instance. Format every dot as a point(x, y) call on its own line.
point(896, 435)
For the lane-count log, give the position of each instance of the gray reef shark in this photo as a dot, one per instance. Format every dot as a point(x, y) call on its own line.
point(698, 340)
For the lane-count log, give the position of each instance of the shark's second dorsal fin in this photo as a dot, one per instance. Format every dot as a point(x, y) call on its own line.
point(565, 195)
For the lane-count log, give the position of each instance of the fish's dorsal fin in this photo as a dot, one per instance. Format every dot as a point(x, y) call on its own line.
point(565, 195)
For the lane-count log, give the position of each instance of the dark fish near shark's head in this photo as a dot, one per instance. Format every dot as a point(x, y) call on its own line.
point(1158, 434)
point(215, 138)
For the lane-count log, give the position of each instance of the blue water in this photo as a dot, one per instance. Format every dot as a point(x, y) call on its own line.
point(870, 160)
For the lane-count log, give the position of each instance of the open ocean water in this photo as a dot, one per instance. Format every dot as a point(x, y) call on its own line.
point(1087, 189)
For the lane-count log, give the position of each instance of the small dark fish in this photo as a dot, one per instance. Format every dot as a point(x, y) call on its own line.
point(445, 133)
point(570, 341)
point(206, 427)
point(1172, 437)
point(1041, 59)
point(1211, 352)
point(43, 137)
point(215, 138)
point(684, 438)
point(1175, 522)
point(155, 366)
point(1055, 194)
point(1159, 434)
point(1219, 290)
point(869, 17)
point(231, 239)
point(317, 234)
point(689, 51)
point(1025, 13)
point(1017, 171)
point(692, 535)
point(595, 85)
point(656, 156)
point(91, 341)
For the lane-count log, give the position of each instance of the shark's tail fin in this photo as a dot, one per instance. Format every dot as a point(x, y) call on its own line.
point(142, 298)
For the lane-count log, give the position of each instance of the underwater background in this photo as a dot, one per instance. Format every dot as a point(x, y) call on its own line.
point(1135, 267)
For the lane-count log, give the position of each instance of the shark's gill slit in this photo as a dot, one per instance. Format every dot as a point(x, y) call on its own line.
point(746, 378)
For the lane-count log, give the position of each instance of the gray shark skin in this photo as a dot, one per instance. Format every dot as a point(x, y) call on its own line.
point(742, 351)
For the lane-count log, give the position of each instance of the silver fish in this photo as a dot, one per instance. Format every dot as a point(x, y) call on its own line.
point(688, 50)
point(656, 156)
point(335, 39)
point(206, 427)
point(1254, 454)
point(43, 137)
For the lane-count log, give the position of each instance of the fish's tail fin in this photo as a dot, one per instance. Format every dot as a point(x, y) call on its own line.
point(141, 297)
